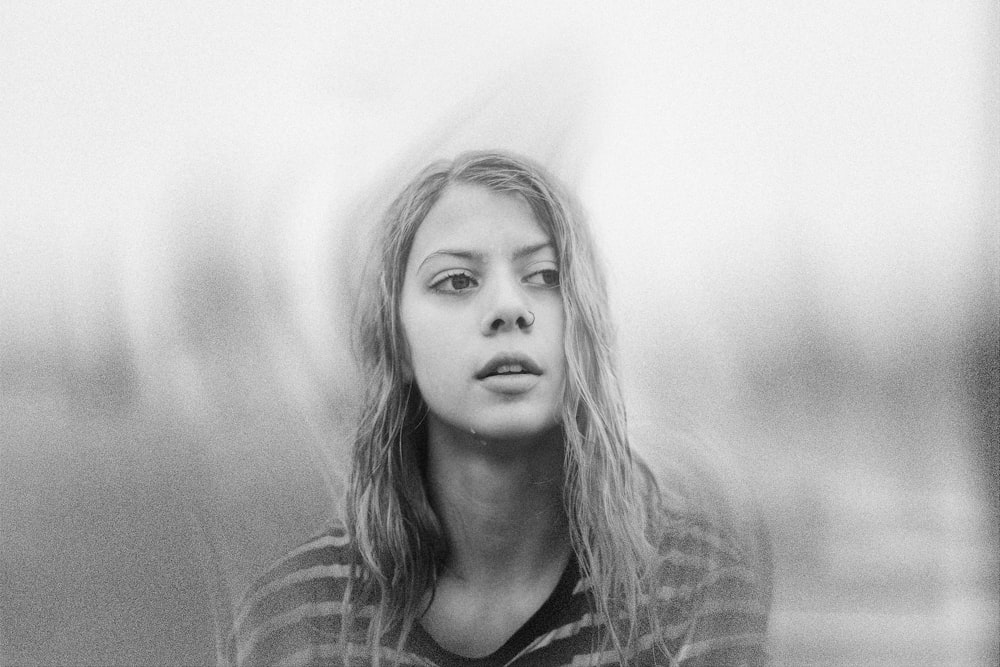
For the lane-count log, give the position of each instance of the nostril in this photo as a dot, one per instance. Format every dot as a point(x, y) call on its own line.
point(511, 321)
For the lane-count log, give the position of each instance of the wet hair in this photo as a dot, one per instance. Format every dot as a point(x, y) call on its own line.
point(398, 539)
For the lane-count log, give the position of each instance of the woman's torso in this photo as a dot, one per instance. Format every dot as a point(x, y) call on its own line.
point(709, 598)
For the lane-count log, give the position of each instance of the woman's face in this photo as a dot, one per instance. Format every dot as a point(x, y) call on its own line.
point(483, 317)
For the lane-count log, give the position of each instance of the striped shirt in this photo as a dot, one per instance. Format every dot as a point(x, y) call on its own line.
point(711, 600)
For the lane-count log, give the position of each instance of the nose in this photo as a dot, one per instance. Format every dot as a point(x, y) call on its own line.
point(507, 311)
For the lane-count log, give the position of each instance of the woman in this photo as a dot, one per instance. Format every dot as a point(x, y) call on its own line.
point(495, 513)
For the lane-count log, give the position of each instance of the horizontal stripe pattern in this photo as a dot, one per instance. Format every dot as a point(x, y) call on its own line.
point(711, 605)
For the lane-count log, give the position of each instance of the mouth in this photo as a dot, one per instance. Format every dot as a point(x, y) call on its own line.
point(508, 365)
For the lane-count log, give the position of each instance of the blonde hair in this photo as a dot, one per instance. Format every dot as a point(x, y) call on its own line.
point(398, 539)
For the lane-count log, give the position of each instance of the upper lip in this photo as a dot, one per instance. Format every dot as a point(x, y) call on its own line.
point(491, 367)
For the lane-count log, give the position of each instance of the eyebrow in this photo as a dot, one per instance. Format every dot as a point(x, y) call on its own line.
point(519, 253)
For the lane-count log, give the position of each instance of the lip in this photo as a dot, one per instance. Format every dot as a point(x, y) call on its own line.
point(490, 368)
point(511, 384)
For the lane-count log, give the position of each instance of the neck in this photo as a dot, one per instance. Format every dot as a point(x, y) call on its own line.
point(500, 503)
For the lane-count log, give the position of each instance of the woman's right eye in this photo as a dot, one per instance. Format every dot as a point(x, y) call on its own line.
point(454, 281)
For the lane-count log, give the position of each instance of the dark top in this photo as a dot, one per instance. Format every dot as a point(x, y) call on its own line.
point(711, 599)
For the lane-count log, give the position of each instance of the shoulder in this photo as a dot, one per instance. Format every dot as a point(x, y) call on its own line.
point(698, 512)
point(297, 599)
point(713, 571)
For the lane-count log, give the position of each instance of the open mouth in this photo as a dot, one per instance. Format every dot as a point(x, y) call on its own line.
point(508, 369)
point(508, 365)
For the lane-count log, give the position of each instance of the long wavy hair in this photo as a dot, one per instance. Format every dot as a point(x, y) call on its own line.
point(398, 540)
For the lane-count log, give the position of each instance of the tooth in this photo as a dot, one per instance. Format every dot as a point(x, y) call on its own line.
point(506, 369)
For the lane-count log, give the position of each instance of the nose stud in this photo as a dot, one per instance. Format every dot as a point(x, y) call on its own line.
point(531, 321)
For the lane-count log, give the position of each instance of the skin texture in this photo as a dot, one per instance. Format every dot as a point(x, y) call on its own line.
point(468, 296)
point(481, 281)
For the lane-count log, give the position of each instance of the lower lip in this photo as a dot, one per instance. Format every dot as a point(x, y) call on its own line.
point(513, 383)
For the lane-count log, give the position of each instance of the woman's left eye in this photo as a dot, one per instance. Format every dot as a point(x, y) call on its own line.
point(544, 278)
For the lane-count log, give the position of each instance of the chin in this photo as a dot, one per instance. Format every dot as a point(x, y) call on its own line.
point(514, 429)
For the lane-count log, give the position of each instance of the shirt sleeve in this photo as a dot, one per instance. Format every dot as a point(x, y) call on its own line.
point(292, 613)
point(728, 623)
point(718, 564)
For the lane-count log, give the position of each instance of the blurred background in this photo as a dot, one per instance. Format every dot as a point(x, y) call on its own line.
point(798, 208)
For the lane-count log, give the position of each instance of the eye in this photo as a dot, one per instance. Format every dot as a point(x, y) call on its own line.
point(454, 281)
point(544, 278)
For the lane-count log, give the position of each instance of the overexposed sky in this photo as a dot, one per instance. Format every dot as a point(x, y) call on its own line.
point(725, 152)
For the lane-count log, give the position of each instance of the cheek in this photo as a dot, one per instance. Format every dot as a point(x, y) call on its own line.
point(557, 332)
point(427, 347)
point(411, 330)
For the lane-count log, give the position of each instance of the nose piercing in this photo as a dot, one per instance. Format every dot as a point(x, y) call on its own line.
point(528, 324)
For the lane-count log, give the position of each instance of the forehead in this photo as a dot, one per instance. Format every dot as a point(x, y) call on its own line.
point(475, 216)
